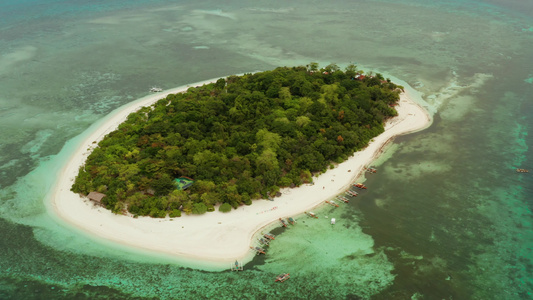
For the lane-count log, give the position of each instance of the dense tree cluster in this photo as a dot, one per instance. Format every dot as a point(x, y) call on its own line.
point(241, 138)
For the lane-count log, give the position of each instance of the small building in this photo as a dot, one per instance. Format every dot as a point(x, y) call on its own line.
point(96, 197)
point(183, 183)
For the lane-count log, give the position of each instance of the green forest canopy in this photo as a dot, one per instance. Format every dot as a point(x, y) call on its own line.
point(239, 139)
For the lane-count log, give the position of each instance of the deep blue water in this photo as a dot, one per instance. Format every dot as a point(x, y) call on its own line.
point(446, 216)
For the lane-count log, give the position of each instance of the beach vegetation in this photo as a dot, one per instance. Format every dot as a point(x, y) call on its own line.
point(241, 138)
point(225, 207)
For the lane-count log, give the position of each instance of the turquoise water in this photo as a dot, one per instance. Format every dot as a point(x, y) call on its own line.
point(445, 217)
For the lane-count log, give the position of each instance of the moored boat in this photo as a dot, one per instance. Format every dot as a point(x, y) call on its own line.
point(311, 214)
point(352, 193)
point(258, 250)
point(522, 170)
point(371, 170)
point(269, 236)
point(264, 241)
point(283, 222)
point(343, 199)
point(359, 185)
point(332, 203)
point(283, 277)
point(292, 221)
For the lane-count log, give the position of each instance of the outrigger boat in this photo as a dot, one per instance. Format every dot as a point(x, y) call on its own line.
point(352, 193)
point(283, 222)
point(237, 266)
point(282, 277)
point(156, 89)
point(264, 241)
point(258, 250)
point(522, 170)
point(343, 199)
point(269, 236)
point(311, 214)
point(359, 185)
point(332, 203)
point(371, 170)
point(292, 221)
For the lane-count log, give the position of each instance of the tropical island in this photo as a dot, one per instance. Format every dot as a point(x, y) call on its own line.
point(235, 140)
point(211, 240)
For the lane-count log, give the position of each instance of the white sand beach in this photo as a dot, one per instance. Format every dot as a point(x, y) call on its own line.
point(217, 238)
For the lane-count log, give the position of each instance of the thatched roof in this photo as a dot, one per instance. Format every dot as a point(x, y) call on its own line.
point(95, 196)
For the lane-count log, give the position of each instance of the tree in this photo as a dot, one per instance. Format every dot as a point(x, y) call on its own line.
point(199, 208)
point(285, 93)
point(313, 67)
point(220, 84)
point(302, 121)
point(351, 70)
point(267, 139)
point(163, 185)
point(225, 207)
point(175, 213)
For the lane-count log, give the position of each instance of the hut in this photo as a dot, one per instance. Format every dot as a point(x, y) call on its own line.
point(96, 197)
point(183, 183)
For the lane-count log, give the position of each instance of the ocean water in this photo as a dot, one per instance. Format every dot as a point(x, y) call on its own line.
point(445, 217)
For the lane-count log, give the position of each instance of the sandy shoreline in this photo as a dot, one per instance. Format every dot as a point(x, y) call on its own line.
point(213, 238)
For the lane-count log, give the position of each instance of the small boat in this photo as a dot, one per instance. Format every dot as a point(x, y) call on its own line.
point(332, 221)
point(269, 236)
point(522, 170)
point(352, 193)
point(311, 214)
point(282, 277)
point(237, 266)
point(292, 221)
point(258, 250)
point(359, 185)
point(283, 222)
point(343, 199)
point(264, 241)
point(332, 203)
point(371, 170)
point(156, 89)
